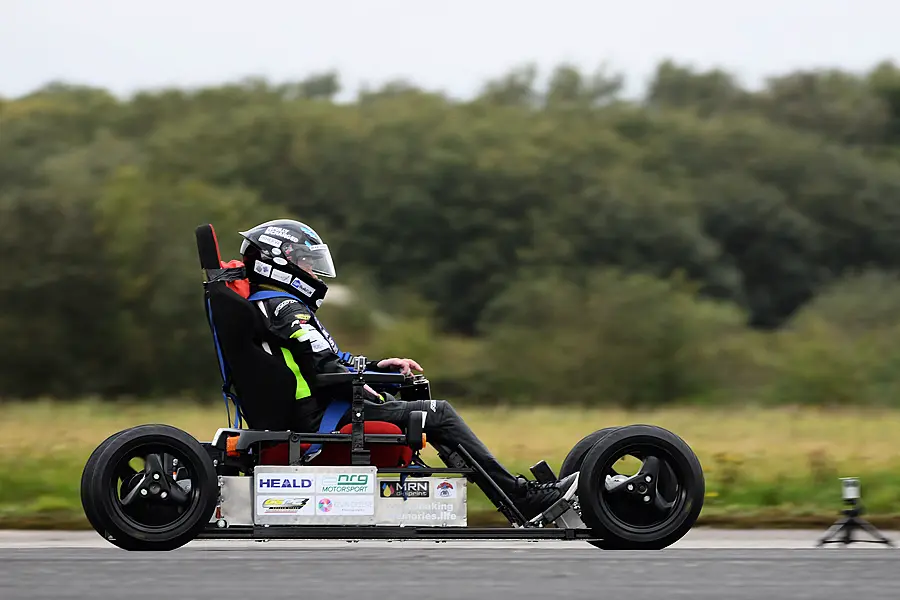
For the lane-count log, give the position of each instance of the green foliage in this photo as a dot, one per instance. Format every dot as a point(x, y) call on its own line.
point(561, 224)
point(624, 340)
point(844, 347)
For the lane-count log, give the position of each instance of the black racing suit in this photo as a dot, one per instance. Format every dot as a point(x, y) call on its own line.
point(308, 349)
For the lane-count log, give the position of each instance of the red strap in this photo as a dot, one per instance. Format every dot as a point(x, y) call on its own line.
point(241, 286)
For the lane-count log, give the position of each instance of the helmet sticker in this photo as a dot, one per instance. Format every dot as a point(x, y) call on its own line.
point(280, 261)
point(282, 233)
point(302, 286)
point(281, 276)
point(262, 268)
point(270, 240)
point(309, 231)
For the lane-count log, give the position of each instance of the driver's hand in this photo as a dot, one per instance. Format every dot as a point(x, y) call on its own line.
point(373, 392)
point(405, 365)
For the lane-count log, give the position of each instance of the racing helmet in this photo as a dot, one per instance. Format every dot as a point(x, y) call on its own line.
point(281, 254)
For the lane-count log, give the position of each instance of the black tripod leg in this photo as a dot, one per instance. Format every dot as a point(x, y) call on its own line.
point(834, 530)
point(874, 532)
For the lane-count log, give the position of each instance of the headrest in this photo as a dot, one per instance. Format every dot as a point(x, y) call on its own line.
point(208, 248)
point(216, 269)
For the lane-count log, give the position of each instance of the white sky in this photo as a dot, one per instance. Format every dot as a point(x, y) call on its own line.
point(125, 45)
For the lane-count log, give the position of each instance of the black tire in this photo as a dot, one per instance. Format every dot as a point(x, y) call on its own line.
point(615, 533)
point(120, 528)
point(576, 455)
point(87, 475)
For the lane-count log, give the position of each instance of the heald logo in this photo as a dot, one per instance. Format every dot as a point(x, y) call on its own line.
point(268, 483)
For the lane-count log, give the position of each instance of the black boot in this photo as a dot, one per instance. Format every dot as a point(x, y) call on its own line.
point(532, 498)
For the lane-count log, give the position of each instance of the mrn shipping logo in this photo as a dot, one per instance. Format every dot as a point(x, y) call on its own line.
point(346, 483)
point(414, 489)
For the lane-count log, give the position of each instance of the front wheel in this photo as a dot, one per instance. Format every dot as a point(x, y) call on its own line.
point(649, 508)
point(575, 458)
point(137, 501)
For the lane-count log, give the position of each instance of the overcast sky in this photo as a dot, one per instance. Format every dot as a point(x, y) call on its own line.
point(125, 45)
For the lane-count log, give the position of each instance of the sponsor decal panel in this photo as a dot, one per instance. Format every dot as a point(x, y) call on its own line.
point(345, 505)
point(346, 483)
point(306, 495)
point(275, 505)
point(445, 489)
point(443, 512)
point(274, 482)
point(432, 510)
point(413, 489)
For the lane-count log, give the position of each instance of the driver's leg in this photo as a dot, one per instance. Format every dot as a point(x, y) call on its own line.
point(445, 427)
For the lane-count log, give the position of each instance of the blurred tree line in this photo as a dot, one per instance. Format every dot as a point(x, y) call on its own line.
point(541, 242)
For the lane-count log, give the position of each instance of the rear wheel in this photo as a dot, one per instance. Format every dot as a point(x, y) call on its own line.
point(87, 476)
point(152, 487)
point(650, 506)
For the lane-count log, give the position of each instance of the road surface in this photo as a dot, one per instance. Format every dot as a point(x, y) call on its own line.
point(720, 565)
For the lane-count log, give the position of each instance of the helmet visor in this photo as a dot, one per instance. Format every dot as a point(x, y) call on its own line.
point(315, 258)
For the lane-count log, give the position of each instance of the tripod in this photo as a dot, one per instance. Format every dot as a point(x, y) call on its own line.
point(842, 530)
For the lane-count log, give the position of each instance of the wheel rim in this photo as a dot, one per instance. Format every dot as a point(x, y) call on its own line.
point(634, 503)
point(153, 488)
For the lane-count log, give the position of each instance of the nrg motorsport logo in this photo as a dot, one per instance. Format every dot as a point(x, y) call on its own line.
point(346, 483)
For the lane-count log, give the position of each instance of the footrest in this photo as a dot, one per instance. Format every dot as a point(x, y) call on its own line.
point(542, 472)
point(559, 508)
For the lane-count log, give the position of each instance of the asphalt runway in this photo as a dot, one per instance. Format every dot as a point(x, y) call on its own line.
point(724, 565)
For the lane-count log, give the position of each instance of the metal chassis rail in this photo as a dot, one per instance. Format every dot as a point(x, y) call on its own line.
point(382, 532)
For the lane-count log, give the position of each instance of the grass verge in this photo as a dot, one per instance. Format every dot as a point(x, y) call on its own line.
point(764, 467)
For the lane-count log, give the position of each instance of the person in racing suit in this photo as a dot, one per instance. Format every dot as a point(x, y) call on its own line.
point(288, 256)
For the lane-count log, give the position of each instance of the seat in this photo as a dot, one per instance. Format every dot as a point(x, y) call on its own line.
point(382, 455)
point(259, 378)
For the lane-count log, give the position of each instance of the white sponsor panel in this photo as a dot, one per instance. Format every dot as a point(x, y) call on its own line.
point(341, 505)
point(348, 499)
point(270, 241)
point(418, 509)
point(262, 268)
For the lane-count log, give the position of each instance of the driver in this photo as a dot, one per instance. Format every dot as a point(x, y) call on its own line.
point(289, 256)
